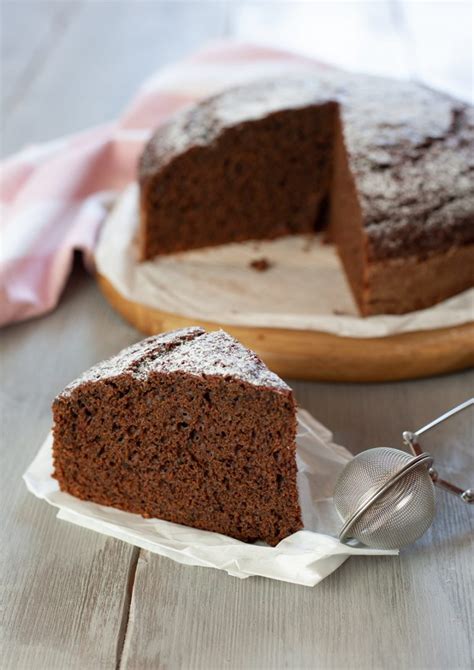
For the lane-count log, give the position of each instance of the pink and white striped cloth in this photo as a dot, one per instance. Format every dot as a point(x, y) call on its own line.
point(54, 196)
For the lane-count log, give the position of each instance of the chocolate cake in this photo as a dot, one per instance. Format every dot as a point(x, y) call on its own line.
point(386, 167)
point(188, 426)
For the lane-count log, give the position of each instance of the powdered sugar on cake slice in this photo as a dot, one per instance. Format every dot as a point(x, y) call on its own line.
point(190, 350)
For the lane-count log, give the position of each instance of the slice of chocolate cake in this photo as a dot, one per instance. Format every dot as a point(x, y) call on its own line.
point(188, 426)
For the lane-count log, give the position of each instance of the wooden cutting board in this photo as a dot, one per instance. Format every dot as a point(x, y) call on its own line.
point(304, 354)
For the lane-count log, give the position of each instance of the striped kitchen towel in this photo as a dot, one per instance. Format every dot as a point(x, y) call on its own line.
point(54, 196)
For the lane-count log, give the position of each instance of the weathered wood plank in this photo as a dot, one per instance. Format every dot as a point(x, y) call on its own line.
point(64, 589)
point(29, 32)
point(101, 58)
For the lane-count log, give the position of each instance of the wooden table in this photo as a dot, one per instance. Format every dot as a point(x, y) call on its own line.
point(75, 599)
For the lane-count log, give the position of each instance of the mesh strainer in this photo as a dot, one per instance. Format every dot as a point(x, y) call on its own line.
point(385, 497)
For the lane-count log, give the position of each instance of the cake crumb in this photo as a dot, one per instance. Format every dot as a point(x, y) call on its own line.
point(261, 264)
point(308, 242)
point(340, 312)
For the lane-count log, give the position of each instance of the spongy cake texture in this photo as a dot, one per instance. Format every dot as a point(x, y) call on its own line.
point(385, 166)
point(190, 427)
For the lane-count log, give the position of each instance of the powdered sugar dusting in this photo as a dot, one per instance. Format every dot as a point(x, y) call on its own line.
point(215, 353)
point(409, 150)
point(203, 124)
point(189, 350)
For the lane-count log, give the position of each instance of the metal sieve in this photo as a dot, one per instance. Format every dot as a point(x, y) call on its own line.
point(385, 496)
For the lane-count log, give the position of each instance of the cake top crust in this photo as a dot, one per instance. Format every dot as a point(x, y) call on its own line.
point(377, 112)
point(189, 350)
point(410, 149)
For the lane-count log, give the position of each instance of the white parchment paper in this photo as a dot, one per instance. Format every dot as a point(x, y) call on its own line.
point(305, 287)
point(306, 557)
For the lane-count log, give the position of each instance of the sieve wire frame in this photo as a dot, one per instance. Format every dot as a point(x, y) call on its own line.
point(422, 459)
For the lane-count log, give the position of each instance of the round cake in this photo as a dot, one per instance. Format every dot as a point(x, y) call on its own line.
point(385, 167)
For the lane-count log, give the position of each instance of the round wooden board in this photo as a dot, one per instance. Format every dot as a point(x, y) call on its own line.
point(302, 354)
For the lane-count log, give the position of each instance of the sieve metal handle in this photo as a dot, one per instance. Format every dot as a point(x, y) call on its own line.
point(411, 440)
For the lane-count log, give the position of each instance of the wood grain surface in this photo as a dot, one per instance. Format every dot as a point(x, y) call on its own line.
point(306, 354)
point(71, 598)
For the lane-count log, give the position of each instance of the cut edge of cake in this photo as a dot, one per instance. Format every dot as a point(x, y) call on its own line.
point(433, 131)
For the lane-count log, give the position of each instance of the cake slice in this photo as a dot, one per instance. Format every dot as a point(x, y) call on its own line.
point(188, 426)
